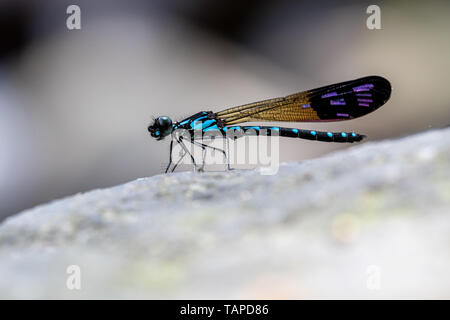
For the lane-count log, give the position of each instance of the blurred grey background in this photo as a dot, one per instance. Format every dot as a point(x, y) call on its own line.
point(75, 105)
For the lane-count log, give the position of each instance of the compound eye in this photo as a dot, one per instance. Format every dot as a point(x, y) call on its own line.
point(164, 122)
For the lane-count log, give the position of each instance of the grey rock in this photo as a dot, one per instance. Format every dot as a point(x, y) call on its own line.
point(371, 221)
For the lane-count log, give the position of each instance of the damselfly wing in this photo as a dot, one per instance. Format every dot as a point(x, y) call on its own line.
point(336, 102)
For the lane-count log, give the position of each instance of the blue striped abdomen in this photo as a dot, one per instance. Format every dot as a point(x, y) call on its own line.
point(294, 133)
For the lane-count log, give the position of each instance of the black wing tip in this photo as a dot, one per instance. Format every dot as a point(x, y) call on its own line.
point(378, 79)
point(383, 85)
point(375, 78)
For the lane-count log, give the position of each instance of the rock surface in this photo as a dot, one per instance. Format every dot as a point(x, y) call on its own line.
point(371, 221)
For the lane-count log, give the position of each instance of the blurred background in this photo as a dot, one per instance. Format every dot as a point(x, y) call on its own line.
point(75, 104)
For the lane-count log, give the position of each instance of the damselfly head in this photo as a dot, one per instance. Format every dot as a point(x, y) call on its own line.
point(161, 127)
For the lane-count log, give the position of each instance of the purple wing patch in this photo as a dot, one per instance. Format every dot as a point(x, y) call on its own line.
point(364, 87)
point(331, 94)
point(339, 102)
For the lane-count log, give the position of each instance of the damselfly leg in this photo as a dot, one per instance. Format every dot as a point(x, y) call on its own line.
point(204, 147)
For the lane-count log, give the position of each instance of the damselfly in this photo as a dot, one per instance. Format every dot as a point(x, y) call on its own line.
point(336, 102)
